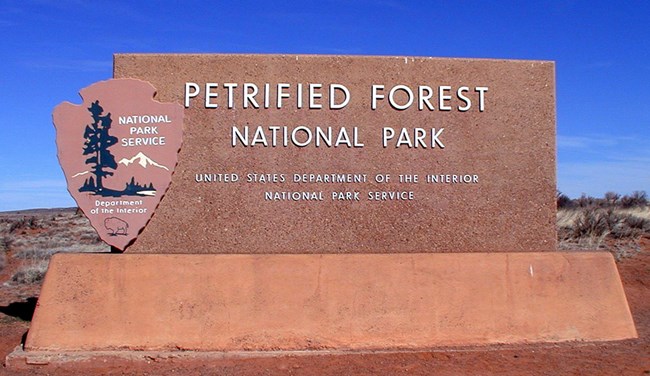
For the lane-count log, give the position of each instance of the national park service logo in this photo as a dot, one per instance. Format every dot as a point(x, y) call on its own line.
point(118, 150)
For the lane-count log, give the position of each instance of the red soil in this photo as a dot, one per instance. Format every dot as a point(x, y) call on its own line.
point(630, 357)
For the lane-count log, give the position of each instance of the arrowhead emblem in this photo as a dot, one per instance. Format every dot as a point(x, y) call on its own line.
point(118, 150)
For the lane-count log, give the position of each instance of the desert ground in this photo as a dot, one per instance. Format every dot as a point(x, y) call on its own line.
point(29, 238)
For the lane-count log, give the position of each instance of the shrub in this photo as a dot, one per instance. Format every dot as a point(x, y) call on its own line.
point(3, 260)
point(4, 248)
point(590, 223)
point(563, 201)
point(34, 254)
point(586, 201)
point(31, 274)
point(598, 222)
point(636, 199)
point(24, 223)
point(91, 238)
point(642, 225)
point(5, 243)
point(611, 198)
point(621, 230)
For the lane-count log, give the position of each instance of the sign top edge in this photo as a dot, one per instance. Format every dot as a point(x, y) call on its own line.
point(310, 56)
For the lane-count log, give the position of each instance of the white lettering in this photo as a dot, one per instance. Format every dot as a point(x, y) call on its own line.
point(209, 94)
point(191, 90)
point(346, 92)
point(376, 95)
point(409, 95)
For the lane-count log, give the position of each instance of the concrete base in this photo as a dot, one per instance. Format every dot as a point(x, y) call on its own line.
point(360, 302)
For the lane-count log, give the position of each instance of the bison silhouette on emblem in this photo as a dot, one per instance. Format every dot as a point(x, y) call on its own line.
point(116, 226)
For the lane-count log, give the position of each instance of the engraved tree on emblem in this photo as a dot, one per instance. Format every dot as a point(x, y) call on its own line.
point(96, 145)
point(98, 140)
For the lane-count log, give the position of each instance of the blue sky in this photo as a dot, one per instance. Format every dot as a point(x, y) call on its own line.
point(51, 49)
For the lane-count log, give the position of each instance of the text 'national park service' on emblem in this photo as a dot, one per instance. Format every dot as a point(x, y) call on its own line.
point(118, 150)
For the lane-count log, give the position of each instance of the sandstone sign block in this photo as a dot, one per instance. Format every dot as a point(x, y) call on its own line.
point(355, 154)
point(348, 302)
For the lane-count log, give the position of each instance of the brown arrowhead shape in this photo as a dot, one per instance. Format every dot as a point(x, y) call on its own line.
point(118, 150)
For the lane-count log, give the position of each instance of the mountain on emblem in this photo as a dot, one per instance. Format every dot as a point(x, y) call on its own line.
point(143, 161)
point(118, 172)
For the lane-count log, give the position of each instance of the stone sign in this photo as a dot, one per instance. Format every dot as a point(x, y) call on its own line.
point(444, 166)
point(331, 154)
point(118, 150)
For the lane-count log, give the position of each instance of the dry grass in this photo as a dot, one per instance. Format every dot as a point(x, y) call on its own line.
point(3, 260)
point(32, 273)
point(617, 230)
point(4, 248)
point(32, 238)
